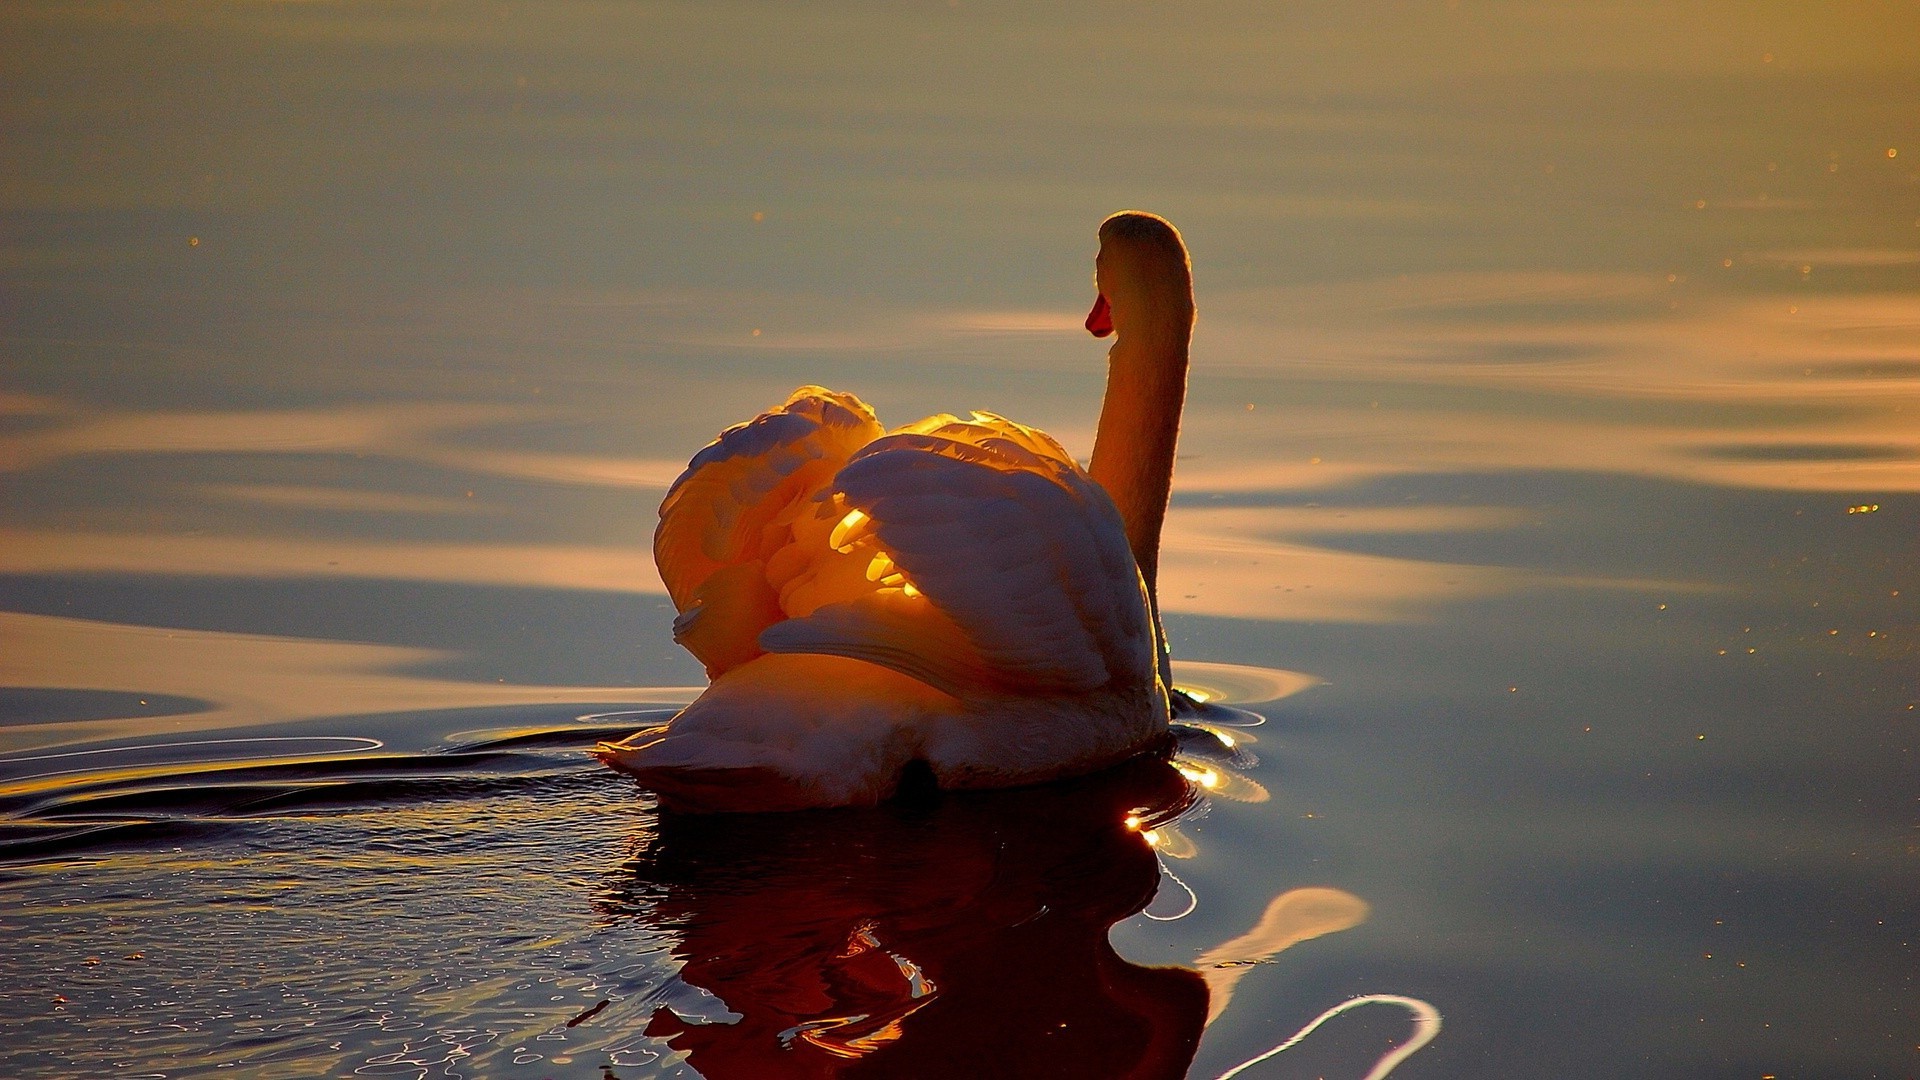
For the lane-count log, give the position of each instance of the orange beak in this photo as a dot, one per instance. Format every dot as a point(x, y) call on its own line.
point(1100, 319)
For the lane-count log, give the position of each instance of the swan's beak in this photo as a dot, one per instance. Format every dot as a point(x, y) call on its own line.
point(1100, 319)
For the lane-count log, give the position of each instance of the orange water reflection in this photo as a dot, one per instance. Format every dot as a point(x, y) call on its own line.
point(967, 939)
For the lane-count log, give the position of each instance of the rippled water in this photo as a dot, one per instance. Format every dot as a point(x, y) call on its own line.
point(1550, 486)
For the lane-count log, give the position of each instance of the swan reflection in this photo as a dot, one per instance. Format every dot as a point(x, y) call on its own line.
point(966, 936)
point(932, 940)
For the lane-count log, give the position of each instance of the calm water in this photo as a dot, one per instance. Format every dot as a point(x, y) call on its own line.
point(1550, 487)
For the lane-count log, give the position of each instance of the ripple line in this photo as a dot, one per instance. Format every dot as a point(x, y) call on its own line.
point(1426, 1024)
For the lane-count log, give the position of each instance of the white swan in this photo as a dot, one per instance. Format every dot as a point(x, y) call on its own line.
point(957, 593)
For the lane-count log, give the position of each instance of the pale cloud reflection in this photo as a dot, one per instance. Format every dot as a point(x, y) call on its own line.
point(1616, 373)
point(546, 566)
point(1009, 322)
point(358, 428)
point(12, 404)
point(250, 679)
point(1835, 258)
point(1255, 475)
point(301, 497)
point(1209, 566)
point(584, 470)
point(1240, 562)
point(582, 317)
point(415, 432)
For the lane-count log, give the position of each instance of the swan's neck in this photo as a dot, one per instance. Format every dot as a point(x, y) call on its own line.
point(1140, 424)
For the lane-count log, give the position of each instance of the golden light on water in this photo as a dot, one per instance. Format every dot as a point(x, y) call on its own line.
point(1237, 683)
point(1199, 774)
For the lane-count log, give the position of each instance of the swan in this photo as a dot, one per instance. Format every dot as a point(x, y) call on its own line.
point(955, 597)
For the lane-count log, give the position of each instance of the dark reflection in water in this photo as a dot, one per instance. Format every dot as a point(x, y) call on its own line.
point(963, 938)
point(45, 705)
point(299, 905)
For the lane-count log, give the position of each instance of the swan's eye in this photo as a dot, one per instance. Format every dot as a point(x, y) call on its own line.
point(850, 529)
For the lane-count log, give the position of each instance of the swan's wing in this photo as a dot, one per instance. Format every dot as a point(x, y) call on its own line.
point(729, 513)
point(893, 629)
point(1024, 579)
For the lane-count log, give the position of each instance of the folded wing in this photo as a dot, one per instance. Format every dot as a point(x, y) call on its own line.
point(999, 565)
point(734, 509)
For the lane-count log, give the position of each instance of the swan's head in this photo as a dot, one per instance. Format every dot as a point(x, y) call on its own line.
point(1145, 281)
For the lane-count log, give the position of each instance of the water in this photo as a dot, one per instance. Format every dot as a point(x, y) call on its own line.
point(1553, 419)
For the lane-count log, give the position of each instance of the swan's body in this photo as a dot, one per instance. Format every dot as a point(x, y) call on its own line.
point(957, 593)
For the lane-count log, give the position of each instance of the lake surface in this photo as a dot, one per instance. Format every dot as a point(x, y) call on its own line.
point(1550, 487)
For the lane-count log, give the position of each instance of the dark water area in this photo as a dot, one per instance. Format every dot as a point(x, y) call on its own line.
point(1548, 499)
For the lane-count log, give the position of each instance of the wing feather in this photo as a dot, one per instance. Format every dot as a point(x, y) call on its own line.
point(894, 630)
point(733, 509)
point(1026, 582)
